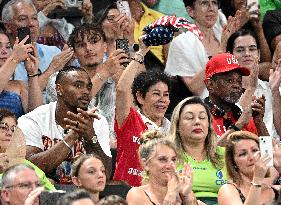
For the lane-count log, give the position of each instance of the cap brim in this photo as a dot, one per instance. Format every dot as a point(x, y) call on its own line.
point(244, 71)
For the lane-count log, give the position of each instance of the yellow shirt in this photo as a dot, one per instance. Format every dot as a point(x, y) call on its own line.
point(149, 17)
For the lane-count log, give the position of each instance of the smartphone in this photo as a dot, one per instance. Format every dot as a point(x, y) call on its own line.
point(22, 33)
point(266, 148)
point(50, 197)
point(123, 7)
point(254, 6)
point(123, 44)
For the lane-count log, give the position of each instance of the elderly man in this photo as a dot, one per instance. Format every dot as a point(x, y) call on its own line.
point(57, 132)
point(22, 13)
point(224, 83)
point(17, 183)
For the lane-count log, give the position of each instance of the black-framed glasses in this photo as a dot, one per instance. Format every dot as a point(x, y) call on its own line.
point(4, 127)
point(25, 185)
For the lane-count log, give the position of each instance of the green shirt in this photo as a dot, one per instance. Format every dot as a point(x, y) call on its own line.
point(266, 5)
point(207, 180)
point(41, 175)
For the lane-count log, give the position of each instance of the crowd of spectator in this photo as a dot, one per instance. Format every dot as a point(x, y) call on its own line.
point(96, 110)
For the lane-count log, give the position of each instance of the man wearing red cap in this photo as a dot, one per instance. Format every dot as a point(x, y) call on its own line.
point(224, 83)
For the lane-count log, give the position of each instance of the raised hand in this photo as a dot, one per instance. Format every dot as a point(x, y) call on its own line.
point(87, 11)
point(82, 122)
point(186, 181)
point(114, 62)
point(275, 77)
point(60, 60)
point(52, 5)
point(32, 62)
point(21, 50)
point(260, 167)
point(33, 196)
point(277, 155)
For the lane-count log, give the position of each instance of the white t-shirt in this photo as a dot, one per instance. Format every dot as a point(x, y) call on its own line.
point(187, 54)
point(40, 123)
point(264, 89)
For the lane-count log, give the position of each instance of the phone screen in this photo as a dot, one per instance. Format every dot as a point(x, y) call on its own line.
point(22, 33)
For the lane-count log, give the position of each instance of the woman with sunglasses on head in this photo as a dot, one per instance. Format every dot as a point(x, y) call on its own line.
point(8, 123)
point(193, 134)
point(247, 172)
point(163, 184)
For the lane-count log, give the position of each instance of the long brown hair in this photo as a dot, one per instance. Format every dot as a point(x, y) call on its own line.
point(232, 140)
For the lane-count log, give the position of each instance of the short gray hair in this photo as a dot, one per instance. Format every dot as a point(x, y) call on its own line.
point(10, 174)
point(8, 13)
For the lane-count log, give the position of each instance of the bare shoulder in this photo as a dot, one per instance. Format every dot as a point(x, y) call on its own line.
point(136, 196)
point(228, 195)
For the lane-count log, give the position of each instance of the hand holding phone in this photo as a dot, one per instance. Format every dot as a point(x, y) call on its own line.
point(266, 148)
point(22, 33)
point(124, 45)
point(253, 8)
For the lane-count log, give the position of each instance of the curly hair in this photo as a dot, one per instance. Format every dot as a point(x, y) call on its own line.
point(88, 30)
point(210, 141)
point(145, 80)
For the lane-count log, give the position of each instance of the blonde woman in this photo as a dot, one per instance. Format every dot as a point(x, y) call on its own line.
point(191, 131)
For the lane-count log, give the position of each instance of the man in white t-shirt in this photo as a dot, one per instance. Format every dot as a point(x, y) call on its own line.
point(57, 132)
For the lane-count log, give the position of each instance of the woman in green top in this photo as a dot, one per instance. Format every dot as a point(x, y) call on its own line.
point(8, 123)
point(192, 132)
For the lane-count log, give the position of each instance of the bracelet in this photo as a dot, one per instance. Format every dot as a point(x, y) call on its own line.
point(139, 61)
point(67, 144)
point(256, 185)
point(33, 75)
point(99, 76)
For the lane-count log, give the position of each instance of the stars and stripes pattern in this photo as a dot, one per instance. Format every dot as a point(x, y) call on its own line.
point(162, 30)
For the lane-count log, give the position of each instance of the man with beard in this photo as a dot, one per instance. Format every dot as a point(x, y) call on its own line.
point(224, 83)
point(57, 132)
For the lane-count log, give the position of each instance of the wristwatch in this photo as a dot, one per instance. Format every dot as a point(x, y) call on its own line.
point(94, 139)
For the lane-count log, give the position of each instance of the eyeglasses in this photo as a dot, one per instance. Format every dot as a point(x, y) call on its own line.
point(25, 185)
point(4, 127)
point(206, 4)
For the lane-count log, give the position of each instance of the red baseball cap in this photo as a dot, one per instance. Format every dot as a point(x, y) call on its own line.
point(222, 63)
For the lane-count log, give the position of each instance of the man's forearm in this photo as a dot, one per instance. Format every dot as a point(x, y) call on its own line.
point(95, 148)
point(261, 128)
point(50, 159)
point(44, 77)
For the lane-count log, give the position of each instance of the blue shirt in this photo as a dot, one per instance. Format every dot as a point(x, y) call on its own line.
point(45, 54)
